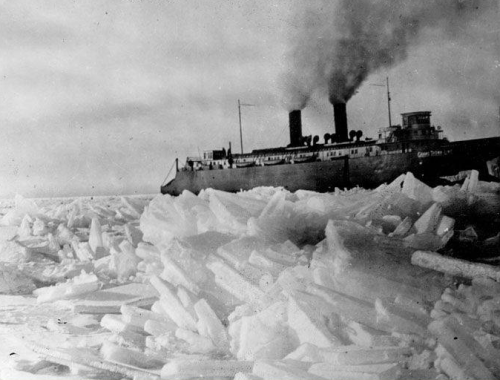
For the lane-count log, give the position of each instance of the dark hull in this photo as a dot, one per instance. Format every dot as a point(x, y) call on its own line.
point(324, 176)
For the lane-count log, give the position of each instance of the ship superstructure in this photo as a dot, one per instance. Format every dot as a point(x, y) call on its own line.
point(343, 159)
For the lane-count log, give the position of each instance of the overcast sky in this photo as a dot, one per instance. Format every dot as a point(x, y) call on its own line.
point(99, 97)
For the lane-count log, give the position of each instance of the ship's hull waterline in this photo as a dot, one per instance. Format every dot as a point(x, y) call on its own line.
point(325, 176)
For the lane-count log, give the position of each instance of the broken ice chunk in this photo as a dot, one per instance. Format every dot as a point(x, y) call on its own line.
point(82, 250)
point(246, 376)
point(14, 281)
point(232, 281)
point(355, 355)
point(7, 232)
point(470, 183)
point(268, 370)
point(134, 208)
point(426, 241)
point(85, 283)
point(133, 234)
point(124, 262)
point(308, 324)
point(231, 216)
point(465, 350)
point(428, 222)
point(179, 369)
point(13, 252)
point(359, 372)
point(258, 276)
point(95, 239)
point(22, 207)
point(115, 353)
point(454, 267)
point(262, 336)
point(172, 305)
point(115, 323)
point(403, 227)
point(238, 251)
point(175, 275)
point(138, 316)
point(416, 189)
point(260, 260)
point(39, 227)
point(349, 308)
point(157, 328)
point(445, 225)
point(210, 325)
point(187, 300)
point(366, 336)
point(306, 352)
point(196, 342)
point(64, 235)
point(399, 319)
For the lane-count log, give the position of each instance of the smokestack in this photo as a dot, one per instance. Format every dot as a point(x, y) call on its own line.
point(340, 117)
point(295, 124)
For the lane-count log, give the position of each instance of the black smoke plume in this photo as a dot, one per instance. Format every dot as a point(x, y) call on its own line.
point(336, 44)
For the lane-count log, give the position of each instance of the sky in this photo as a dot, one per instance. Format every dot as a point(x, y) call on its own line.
point(100, 97)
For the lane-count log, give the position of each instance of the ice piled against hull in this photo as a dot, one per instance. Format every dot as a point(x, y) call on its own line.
point(264, 284)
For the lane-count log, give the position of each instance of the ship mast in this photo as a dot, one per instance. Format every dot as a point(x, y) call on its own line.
point(388, 98)
point(241, 133)
point(239, 116)
point(389, 102)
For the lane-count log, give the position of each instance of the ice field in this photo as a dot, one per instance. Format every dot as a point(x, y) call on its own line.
point(400, 282)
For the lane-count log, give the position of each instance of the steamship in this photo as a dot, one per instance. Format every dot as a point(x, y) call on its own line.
point(342, 160)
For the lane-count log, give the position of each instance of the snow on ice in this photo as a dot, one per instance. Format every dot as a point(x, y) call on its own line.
point(262, 284)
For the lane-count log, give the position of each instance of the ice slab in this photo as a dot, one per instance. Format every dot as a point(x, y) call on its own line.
point(401, 319)
point(85, 283)
point(454, 267)
point(189, 268)
point(365, 336)
point(133, 234)
point(124, 262)
point(167, 217)
point(133, 206)
point(246, 376)
point(7, 232)
point(14, 281)
point(264, 335)
point(156, 328)
point(114, 323)
point(428, 222)
point(359, 372)
point(270, 370)
point(356, 355)
point(232, 281)
point(196, 342)
point(416, 189)
point(308, 324)
point(73, 356)
point(178, 369)
point(238, 251)
point(13, 252)
point(209, 324)
point(21, 208)
point(139, 316)
point(95, 238)
point(172, 305)
point(115, 353)
point(109, 301)
point(175, 275)
point(474, 359)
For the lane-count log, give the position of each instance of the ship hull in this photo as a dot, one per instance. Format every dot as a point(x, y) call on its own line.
point(316, 176)
point(343, 172)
